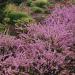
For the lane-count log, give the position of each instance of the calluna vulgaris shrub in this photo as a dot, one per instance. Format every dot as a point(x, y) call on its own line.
point(46, 49)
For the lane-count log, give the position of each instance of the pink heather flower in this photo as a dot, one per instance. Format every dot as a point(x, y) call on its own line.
point(46, 48)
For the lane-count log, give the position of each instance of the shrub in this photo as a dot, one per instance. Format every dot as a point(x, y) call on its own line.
point(41, 3)
point(2, 6)
point(37, 9)
point(38, 6)
point(53, 41)
point(16, 18)
point(46, 49)
point(17, 2)
point(13, 17)
point(29, 3)
point(14, 14)
point(2, 28)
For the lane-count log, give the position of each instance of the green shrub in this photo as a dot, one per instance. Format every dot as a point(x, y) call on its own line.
point(29, 3)
point(2, 6)
point(2, 27)
point(37, 9)
point(15, 17)
point(37, 6)
point(41, 3)
point(17, 2)
point(11, 7)
point(50, 4)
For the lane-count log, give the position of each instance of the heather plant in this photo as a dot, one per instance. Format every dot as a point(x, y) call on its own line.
point(47, 48)
point(55, 36)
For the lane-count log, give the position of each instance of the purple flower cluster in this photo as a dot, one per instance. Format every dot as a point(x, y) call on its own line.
point(46, 49)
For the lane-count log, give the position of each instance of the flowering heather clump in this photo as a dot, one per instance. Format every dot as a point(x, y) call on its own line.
point(46, 49)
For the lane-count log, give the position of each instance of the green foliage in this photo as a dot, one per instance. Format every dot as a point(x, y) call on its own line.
point(2, 27)
point(17, 17)
point(38, 3)
point(37, 9)
point(37, 6)
point(29, 3)
point(14, 15)
point(50, 4)
point(2, 15)
point(2, 6)
point(17, 2)
point(14, 19)
point(10, 8)
point(41, 3)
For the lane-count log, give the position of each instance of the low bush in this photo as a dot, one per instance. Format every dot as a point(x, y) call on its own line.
point(37, 9)
point(46, 49)
point(14, 16)
point(41, 3)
